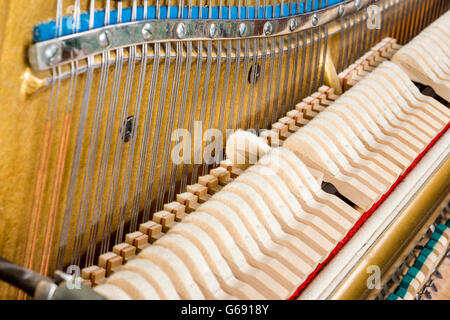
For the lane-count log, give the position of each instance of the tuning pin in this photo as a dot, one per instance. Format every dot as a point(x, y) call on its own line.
point(395, 278)
point(416, 250)
point(437, 274)
point(433, 287)
point(427, 294)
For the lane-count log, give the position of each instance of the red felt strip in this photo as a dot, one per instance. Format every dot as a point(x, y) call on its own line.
point(364, 217)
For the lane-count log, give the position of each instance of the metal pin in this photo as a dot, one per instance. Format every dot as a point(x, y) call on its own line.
point(242, 29)
point(433, 287)
point(268, 28)
point(147, 31)
point(292, 25)
point(104, 39)
point(51, 52)
point(341, 10)
point(181, 30)
point(357, 4)
point(437, 274)
point(315, 20)
point(432, 228)
point(213, 31)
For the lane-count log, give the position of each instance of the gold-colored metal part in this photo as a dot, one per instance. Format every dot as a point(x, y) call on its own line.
point(30, 83)
point(400, 237)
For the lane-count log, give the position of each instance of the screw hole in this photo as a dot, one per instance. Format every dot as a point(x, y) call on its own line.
point(254, 73)
point(128, 128)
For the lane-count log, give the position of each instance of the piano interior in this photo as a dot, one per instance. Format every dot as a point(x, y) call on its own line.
point(225, 150)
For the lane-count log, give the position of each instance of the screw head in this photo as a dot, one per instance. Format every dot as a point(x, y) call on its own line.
point(213, 30)
point(357, 4)
point(104, 39)
point(51, 52)
point(181, 30)
point(147, 31)
point(341, 10)
point(242, 29)
point(268, 28)
point(292, 24)
point(315, 20)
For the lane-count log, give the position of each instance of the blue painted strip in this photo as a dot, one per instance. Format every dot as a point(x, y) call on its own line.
point(47, 30)
point(392, 296)
point(413, 271)
point(441, 228)
point(430, 244)
point(401, 292)
point(420, 261)
point(406, 281)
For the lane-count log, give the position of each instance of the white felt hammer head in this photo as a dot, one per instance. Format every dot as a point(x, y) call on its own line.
point(245, 148)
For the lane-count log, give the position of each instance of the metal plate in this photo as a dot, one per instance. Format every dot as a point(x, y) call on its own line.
point(47, 54)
